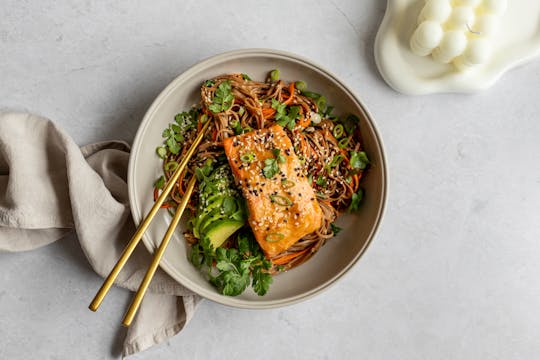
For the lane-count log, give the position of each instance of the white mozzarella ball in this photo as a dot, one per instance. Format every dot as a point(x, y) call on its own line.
point(461, 18)
point(486, 25)
point(478, 52)
point(436, 10)
point(494, 6)
point(426, 37)
point(452, 45)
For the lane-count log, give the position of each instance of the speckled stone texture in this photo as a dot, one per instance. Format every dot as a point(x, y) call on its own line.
point(453, 272)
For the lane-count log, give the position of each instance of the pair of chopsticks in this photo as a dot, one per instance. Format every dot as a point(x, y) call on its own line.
point(130, 314)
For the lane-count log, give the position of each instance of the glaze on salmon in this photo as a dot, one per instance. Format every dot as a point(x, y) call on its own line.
point(283, 207)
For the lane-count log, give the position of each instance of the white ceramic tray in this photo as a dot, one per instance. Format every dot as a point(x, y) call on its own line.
point(517, 42)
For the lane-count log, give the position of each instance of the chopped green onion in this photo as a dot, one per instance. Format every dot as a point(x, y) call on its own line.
point(246, 77)
point(274, 75)
point(209, 83)
point(247, 156)
point(343, 143)
point(247, 129)
point(281, 200)
point(241, 110)
point(274, 237)
point(300, 85)
point(336, 160)
point(171, 166)
point(311, 95)
point(161, 152)
point(310, 178)
point(287, 184)
point(204, 118)
point(321, 103)
point(338, 131)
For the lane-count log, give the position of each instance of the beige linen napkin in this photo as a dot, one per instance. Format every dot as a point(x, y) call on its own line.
point(49, 186)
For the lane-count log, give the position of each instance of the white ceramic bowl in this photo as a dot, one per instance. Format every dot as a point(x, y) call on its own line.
point(336, 257)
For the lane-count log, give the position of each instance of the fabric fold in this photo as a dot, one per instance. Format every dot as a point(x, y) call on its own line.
point(49, 187)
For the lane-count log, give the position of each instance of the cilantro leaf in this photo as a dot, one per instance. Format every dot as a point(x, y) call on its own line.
point(284, 118)
point(335, 229)
point(270, 168)
point(223, 98)
point(176, 132)
point(261, 281)
point(350, 123)
point(271, 165)
point(359, 160)
point(234, 277)
point(173, 145)
point(356, 199)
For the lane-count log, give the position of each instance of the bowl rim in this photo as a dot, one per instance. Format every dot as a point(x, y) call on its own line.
point(216, 59)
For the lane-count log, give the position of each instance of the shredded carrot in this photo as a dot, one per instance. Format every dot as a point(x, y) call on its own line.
point(268, 112)
point(304, 122)
point(165, 205)
point(291, 94)
point(287, 258)
point(356, 182)
point(306, 149)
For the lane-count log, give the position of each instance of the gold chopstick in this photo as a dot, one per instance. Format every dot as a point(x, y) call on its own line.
point(128, 318)
point(94, 305)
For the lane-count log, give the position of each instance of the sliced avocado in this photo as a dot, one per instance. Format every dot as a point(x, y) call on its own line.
point(201, 215)
point(215, 215)
point(220, 231)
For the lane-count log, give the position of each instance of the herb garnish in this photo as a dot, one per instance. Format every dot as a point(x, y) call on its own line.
point(223, 98)
point(335, 229)
point(356, 200)
point(359, 160)
point(271, 166)
point(284, 118)
point(176, 132)
point(234, 268)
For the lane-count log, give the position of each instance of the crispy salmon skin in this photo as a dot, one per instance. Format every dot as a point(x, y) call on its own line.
point(281, 202)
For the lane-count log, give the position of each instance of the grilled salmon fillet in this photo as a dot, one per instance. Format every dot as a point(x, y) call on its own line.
point(281, 202)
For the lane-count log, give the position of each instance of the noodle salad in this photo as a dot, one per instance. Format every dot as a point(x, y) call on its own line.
point(275, 170)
